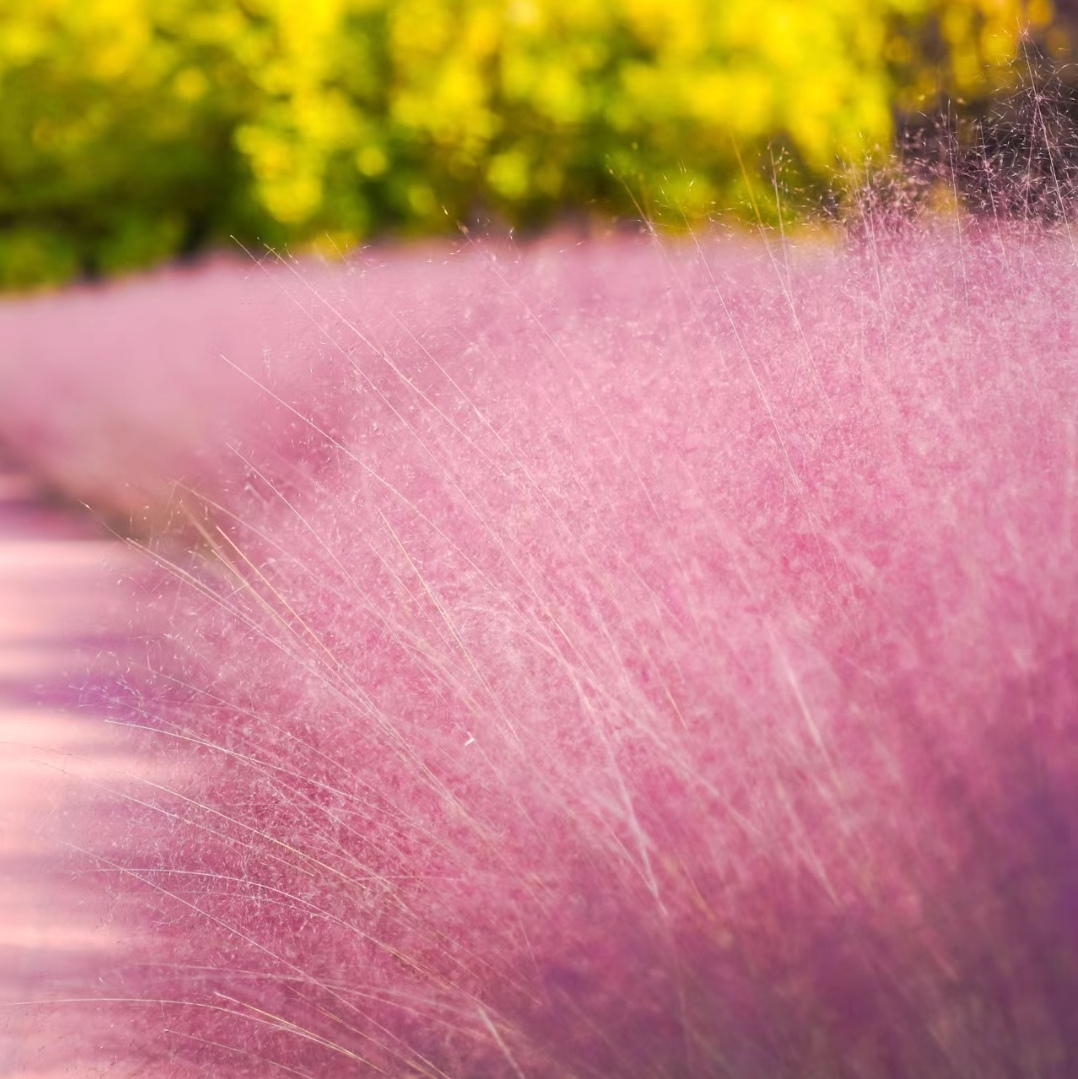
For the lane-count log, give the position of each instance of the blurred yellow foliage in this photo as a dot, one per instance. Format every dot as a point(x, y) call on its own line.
point(186, 121)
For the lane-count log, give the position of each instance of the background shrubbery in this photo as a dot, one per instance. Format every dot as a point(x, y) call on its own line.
point(133, 130)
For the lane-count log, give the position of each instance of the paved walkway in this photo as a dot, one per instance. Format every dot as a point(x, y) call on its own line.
point(57, 598)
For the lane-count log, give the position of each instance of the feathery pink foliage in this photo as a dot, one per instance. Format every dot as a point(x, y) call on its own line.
point(131, 395)
point(673, 674)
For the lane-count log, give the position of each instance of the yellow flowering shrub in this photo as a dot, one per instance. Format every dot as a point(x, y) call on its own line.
point(131, 130)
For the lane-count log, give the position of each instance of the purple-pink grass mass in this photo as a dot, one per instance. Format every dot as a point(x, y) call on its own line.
point(628, 659)
point(142, 397)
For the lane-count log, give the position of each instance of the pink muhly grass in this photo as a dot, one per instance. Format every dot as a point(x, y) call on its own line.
point(131, 395)
point(672, 674)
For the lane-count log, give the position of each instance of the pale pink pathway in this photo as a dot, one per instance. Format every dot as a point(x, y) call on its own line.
point(55, 576)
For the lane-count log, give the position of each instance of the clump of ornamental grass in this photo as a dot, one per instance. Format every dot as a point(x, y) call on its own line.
point(670, 672)
point(142, 397)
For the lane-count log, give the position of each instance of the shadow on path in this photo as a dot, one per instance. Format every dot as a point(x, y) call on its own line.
point(59, 606)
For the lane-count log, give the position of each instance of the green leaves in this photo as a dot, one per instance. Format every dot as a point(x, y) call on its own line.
point(198, 120)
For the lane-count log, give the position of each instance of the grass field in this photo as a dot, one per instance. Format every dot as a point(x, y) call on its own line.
point(608, 658)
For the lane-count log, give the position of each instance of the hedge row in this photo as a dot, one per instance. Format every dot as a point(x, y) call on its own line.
point(132, 130)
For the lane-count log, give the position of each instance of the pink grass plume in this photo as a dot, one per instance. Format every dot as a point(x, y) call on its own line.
point(669, 673)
